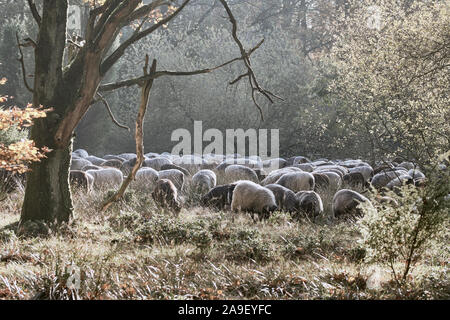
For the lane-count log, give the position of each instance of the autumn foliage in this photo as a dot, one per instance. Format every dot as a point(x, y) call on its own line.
point(16, 157)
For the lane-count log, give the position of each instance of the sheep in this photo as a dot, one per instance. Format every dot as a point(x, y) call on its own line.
point(309, 203)
point(304, 167)
point(239, 161)
point(90, 167)
point(381, 179)
point(322, 182)
point(78, 164)
point(366, 171)
point(354, 180)
point(174, 166)
point(219, 197)
point(407, 165)
point(301, 160)
point(113, 157)
point(174, 175)
point(81, 179)
point(146, 177)
point(400, 181)
point(95, 160)
point(260, 173)
point(277, 174)
point(251, 197)
point(81, 153)
point(274, 164)
point(346, 203)
point(416, 174)
point(237, 172)
point(334, 178)
point(165, 195)
point(127, 156)
point(297, 181)
point(284, 197)
point(157, 163)
point(115, 163)
point(109, 177)
point(204, 180)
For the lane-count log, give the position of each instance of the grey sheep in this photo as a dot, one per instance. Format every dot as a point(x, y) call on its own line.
point(346, 203)
point(165, 195)
point(284, 197)
point(237, 172)
point(297, 181)
point(204, 180)
point(110, 177)
point(309, 203)
point(174, 175)
point(251, 197)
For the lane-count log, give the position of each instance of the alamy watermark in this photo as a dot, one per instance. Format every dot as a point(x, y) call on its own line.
point(234, 142)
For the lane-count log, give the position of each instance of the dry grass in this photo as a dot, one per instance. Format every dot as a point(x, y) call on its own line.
point(135, 252)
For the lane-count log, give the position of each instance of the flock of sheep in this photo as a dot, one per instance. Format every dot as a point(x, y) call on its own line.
point(248, 184)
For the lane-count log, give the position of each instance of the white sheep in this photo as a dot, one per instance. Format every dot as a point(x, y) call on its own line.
point(204, 180)
point(104, 178)
point(251, 197)
point(297, 181)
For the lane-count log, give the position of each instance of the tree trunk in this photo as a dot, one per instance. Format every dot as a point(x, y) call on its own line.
point(47, 194)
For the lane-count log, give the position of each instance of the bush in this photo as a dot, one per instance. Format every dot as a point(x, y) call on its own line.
point(402, 234)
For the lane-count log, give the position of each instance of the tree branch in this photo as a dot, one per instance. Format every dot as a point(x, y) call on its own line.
point(157, 74)
point(34, 12)
point(108, 108)
point(22, 63)
point(111, 60)
point(139, 135)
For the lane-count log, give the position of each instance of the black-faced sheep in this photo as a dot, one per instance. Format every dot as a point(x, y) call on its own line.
point(284, 197)
point(309, 203)
point(251, 197)
point(346, 203)
point(165, 195)
point(219, 197)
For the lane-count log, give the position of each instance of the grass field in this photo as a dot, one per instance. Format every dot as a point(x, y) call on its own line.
point(133, 251)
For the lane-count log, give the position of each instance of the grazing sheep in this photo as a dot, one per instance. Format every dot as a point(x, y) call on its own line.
point(113, 157)
point(109, 177)
point(237, 172)
point(366, 171)
point(383, 168)
point(354, 180)
point(346, 203)
point(304, 167)
point(274, 164)
point(128, 165)
point(95, 160)
point(219, 197)
point(407, 165)
point(81, 179)
point(416, 174)
point(90, 167)
point(165, 195)
point(114, 163)
point(239, 161)
point(381, 179)
point(146, 177)
point(301, 160)
point(174, 166)
point(204, 180)
point(309, 203)
point(157, 163)
point(174, 175)
point(277, 174)
point(260, 173)
point(397, 182)
point(127, 156)
point(297, 181)
point(284, 197)
point(322, 182)
point(81, 153)
point(334, 178)
point(78, 164)
point(251, 197)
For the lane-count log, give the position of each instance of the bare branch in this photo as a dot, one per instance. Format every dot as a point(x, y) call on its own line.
point(109, 62)
point(22, 63)
point(108, 108)
point(34, 12)
point(246, 58)
point(139, 135)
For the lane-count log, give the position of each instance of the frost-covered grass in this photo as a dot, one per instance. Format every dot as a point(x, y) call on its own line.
point(136, 252)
